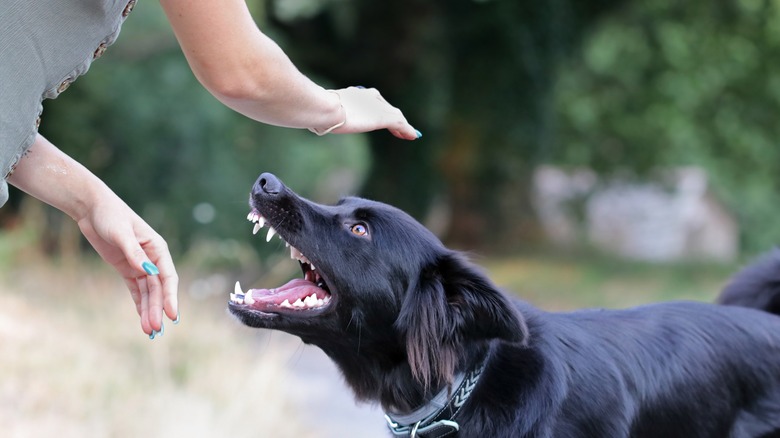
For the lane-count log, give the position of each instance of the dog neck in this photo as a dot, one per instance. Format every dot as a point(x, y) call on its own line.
point(437, 417)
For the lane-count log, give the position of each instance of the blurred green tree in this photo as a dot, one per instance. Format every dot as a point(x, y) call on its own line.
point(475, 76)
point(668, 83)
point(501, 86)
point(496, 86)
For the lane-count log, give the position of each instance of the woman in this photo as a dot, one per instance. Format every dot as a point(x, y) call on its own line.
point(44, 46)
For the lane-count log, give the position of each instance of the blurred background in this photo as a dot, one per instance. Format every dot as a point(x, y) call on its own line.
point(604, 153)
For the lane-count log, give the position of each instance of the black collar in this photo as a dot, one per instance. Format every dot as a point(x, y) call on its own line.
point(436, 418)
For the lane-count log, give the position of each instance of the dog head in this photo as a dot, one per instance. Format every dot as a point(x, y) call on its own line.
point(380, 294)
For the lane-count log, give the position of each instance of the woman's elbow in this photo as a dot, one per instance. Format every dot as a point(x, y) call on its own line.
point(229, 84)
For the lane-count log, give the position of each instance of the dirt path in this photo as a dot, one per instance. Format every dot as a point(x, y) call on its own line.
point(329, 409)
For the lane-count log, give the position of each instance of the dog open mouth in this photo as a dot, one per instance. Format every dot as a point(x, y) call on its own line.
point(307, 294)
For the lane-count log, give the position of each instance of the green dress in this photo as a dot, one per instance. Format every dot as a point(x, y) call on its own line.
point(44, 46)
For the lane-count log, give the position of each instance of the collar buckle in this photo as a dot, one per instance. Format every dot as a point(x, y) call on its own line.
point(435, 429)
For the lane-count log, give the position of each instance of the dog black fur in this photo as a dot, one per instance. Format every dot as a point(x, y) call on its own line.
point(401, 316)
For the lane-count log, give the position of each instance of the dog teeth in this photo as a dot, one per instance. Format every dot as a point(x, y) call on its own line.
point(258, 220)
point(294, 253)
point(270, 234)
point(238, 296)
point(297, 255)
point(248, 299)
point(286, 303)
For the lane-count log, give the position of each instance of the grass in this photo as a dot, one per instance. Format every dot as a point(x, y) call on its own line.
point(75, 363)
point(567, 283)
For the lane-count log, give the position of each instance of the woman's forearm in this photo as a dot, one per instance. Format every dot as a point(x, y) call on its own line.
point(245, 69)
point(56, 179)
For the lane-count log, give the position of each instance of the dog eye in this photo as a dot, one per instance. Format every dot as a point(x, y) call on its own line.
point(359, 229)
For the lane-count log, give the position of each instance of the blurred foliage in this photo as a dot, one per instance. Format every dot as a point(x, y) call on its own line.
point(668, 83)
point(502, 86)
point(496, 86)
point(475, 77)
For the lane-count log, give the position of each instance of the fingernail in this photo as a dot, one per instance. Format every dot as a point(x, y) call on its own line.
point(154, 333)
point(178, 317)
point(162, 329)
point(150, 268)
point(419, 134)
point(360, 86)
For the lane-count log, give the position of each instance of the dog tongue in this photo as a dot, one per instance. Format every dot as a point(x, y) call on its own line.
point(292, 291)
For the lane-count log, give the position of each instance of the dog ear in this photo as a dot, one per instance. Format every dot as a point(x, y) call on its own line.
point(452, 303)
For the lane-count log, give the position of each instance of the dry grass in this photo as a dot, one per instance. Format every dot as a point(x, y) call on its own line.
point(76, 364)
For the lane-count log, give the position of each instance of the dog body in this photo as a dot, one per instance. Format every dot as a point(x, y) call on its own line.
point(412, 324)
point(666, 370)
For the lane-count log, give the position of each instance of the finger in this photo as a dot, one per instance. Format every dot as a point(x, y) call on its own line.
point(163, 290)
point(402, 128)
point(170, 286)
point(155, 301)
point(136, 256)
point(135, 293)
point(169, 279)
point(144, 289)
point(408, 133)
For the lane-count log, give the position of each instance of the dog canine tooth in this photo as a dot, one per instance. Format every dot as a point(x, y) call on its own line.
point(237, 289)
point(248, 299)
point(270, 234)
point(256, 228)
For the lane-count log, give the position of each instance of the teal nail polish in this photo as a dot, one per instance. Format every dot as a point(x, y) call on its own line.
point(154, 333)
point(150, 268)
point(178, 317)
point(162, 329)
point(419, 134)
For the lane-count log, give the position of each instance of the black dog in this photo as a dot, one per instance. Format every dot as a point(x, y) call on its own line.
point(417, 328)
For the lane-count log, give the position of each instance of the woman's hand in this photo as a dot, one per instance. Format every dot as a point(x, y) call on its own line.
point(119, 235)
point(140, 256)
point(366, 110)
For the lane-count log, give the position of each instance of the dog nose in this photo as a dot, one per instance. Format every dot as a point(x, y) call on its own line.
point(268, 184)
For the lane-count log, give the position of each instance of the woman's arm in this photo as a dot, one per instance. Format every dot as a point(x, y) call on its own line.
point(248, 72)
point(119, 235)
